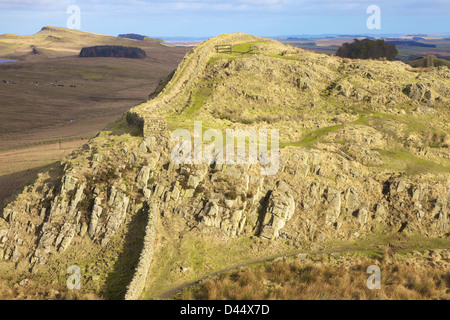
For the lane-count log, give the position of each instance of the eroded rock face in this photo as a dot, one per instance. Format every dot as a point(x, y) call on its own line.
point(143, 176)
point(280, 209)
point(229, 221)
point(315, 195)
point(115, 216)
point(333, 197)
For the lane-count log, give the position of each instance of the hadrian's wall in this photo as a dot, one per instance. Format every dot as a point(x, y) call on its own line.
point(137, 284)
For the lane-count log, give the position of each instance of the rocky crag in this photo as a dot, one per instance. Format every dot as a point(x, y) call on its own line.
point(364, 150)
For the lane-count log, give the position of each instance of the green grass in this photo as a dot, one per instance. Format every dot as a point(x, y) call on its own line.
point(409, 163)
point(383, 237)
point(198, 99)
point(311, 138)
point(237, 52)
point(201, 257)
point(245, 47)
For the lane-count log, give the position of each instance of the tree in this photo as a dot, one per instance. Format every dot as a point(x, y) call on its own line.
point(367, 49)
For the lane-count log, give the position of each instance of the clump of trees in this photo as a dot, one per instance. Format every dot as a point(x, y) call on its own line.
point(367, 49)
point(113, 51)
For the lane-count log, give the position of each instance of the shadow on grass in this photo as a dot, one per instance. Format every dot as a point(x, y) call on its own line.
point(13, 184)
point(124, 268)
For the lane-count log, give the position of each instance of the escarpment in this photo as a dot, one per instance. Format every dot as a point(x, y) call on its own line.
point(364, 149)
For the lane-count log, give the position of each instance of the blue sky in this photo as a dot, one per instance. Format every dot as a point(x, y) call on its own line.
point(212, 17)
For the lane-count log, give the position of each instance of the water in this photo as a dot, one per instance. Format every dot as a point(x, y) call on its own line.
point(7, 60)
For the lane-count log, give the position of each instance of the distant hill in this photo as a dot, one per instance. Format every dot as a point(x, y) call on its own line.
point(113, 51)
point(438, 56)
point(296, 39)
point(53, 42)
point(135, 36)
point(427, 62)
point(410, 43)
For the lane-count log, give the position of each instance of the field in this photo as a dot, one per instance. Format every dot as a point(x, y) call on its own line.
point(53, 101)
point(329, 46)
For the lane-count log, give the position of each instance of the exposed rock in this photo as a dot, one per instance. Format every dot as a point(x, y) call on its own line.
point(193, 181)
point(280, 209)
point(352, 199)
point(143, 148)
point(68, 184)
point(425, 110)
point(95, 215)
point(333, 198)
point(115, 217)
point(143, 177)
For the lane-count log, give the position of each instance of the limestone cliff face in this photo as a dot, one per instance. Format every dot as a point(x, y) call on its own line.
point(357, 157)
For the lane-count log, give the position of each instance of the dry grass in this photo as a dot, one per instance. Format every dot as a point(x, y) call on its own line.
point(340, 279)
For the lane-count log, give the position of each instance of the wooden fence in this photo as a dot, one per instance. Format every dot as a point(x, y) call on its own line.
point(224, 48)
point(228, 48)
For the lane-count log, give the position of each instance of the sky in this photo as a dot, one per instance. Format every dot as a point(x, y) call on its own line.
point(206, 18)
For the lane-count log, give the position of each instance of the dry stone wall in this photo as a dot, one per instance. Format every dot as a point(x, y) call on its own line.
point(137, 284)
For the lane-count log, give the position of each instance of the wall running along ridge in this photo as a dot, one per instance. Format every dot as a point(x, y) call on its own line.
point(137, 284)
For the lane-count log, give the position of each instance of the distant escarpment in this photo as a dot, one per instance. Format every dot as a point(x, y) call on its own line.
point(411, 43)
point(113, 51)
point(139, 37)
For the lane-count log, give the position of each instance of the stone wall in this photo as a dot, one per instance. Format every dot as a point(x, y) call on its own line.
point(154, 125)
point(137, 284)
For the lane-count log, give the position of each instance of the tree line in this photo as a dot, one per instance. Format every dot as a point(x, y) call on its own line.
point(367, 49)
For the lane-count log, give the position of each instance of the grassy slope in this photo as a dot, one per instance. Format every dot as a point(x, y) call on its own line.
point(217, 110)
